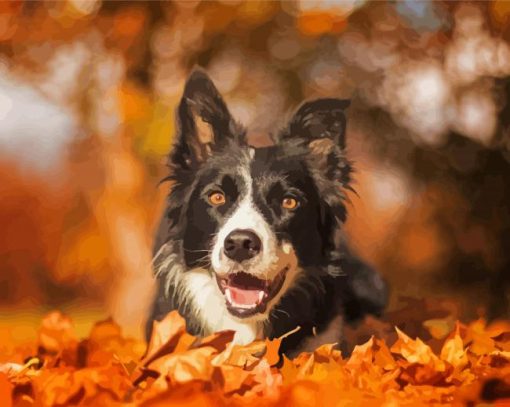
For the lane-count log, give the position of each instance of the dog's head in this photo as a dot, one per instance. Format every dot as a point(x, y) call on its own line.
point(256, 217)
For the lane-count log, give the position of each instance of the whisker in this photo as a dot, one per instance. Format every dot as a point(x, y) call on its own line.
point(206, 257)
point(282, 311)
point(197, 251)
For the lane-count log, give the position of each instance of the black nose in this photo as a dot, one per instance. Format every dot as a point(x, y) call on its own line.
point(241, 245)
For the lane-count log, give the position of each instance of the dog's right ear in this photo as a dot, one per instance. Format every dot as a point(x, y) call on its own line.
point(204, 122)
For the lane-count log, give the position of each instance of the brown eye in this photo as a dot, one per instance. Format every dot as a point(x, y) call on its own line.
point(289, 203)
point(217, 198)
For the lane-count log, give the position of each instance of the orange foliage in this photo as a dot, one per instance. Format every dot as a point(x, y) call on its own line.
point(473, 365)
point(317, 23)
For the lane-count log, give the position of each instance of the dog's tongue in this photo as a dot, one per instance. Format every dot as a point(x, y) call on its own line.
point(245, 297)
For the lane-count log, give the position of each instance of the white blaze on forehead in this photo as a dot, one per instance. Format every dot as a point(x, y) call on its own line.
point(272, 258)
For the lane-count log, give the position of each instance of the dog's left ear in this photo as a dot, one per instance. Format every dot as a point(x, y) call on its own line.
point(204, 122)
point(320, 124)
point(321, 119)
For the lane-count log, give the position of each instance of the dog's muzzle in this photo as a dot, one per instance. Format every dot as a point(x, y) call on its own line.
point(247, 295)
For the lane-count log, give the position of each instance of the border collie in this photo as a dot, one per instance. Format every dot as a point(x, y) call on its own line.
point(251, 240)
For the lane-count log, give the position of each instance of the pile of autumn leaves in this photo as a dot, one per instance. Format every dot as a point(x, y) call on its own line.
point(176, 368)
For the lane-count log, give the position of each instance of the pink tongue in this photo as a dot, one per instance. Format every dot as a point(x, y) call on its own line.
point(244, 297)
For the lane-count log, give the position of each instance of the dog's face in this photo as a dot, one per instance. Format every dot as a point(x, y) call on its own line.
point(256, 218)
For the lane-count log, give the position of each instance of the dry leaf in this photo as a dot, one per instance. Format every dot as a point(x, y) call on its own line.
point(362, 355)
point(165, 336)
point(415, 351)
point(453, 351)
point(107, 369)
point(478, 339)
point(5, 390)
point(243, 356)
point(232, 378)
point(57, 333)
point(327, 352)
point(218, 340)
point(273, 345)
point(193, 364)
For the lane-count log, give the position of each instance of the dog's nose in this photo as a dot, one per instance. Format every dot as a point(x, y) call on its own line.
point(241, 245)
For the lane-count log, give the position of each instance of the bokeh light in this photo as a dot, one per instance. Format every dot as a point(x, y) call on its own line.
point(88, 91)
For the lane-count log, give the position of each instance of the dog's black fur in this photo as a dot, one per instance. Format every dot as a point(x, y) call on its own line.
point(307, 160)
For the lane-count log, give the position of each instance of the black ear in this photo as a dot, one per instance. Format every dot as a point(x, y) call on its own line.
point(320, 119)
point(204, 122)
point(320, 126)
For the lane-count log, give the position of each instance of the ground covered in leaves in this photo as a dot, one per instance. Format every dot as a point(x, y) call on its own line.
point(470, 366)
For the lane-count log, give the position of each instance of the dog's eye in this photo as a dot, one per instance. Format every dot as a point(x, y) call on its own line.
point(289, 203)
point(216, 198)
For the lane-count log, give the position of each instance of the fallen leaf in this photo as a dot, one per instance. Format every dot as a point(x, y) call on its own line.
point(5, 390)
point(479, 339)
point(165, 336)
point(57, 333)
point(10, 369)
point(273, 345)
point(180, 369)
point(382, 355)
point(183, 367)
point(289, 371)
point(232, 378)
point(242, 356)
point(362, 354)
point(218, 340)
point(453, 351)
point(415, 351)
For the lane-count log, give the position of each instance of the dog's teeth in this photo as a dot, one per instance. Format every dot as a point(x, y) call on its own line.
point(261, 296)
point(245, 306)
point(228, 294)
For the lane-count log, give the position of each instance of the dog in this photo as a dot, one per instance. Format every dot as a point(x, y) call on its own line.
point(252, 237)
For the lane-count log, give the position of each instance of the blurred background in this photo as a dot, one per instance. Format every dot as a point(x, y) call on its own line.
point(88, 91)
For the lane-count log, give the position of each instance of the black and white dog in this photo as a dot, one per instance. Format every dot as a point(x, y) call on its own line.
point(251, 240)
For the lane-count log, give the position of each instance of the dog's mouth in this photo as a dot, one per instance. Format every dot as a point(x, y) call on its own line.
point(247, 295)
